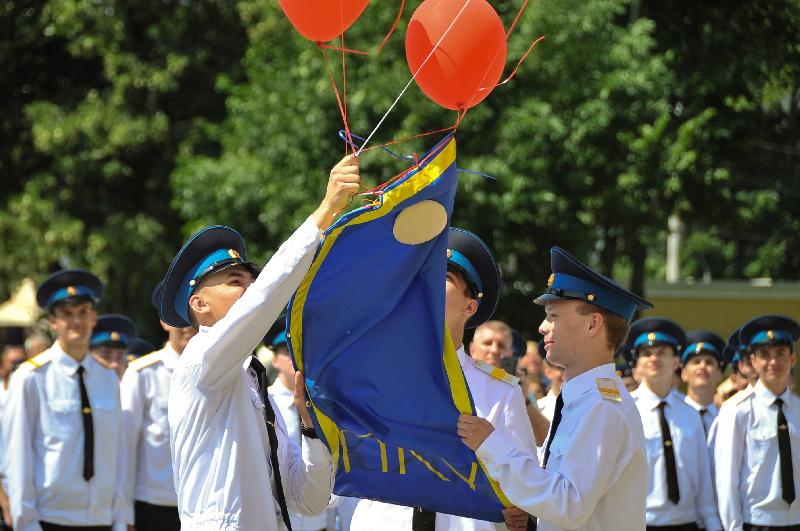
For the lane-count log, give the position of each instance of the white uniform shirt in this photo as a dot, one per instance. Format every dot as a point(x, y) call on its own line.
point(695, 484)
point(748, 474)
point(284, 399)
point(500, 403)
point(547, 404)
point(144, 392)
point(596, 476)
point(708, 417)
point(219, 442)
point(43, 433)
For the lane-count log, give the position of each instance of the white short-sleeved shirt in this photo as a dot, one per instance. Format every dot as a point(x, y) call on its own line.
point(695, 484)
point(43, 434)
point(748, 476)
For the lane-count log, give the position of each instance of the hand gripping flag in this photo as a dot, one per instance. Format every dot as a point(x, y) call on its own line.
point(367, 328)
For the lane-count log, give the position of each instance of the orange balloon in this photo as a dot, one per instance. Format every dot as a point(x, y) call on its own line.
point(322, 20)
point(468, 63)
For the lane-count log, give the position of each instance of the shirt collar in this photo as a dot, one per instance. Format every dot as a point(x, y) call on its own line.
point(646, 395)
point(67, 363)
point(462, 355)
point(278, 388)
point(767, 397)
point(698, 406)
point(577, 386)
point(169, 356)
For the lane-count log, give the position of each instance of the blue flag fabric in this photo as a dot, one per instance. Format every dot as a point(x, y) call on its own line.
point(367, 328)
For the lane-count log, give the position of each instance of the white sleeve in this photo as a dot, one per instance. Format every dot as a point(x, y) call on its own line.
point(706, 501)
point(221, 349)
point(19, 430)
point(566, 498)
point(728, 464)
point(131, 392)
point(307, 474)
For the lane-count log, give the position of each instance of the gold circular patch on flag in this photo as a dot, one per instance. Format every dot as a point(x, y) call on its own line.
point(420, 223)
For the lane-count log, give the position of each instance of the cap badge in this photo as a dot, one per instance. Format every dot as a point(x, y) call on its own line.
point(449, 253)
point(234, 253)
point(699, 347)
point(590, 297)
point(71, 291)
point(114, 336)
point(770, 335)
point(651, 337)
point(551, 280)
point(192, 282)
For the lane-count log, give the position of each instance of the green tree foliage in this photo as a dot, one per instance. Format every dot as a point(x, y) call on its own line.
point(127, 127)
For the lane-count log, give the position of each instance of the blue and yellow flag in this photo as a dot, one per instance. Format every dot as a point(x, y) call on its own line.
point(367, 328)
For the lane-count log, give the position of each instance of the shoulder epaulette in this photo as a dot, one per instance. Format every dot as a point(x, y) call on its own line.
point(39, 360)
point(496, 372)
point(145, 361)
point(741, 396)
point(608, 389)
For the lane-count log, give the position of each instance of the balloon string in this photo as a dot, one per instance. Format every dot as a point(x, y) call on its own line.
point(394, 26)
point(344, 92)
point(522, 59)
point(336, 92)
point(413, 77)
point(338, 48)
point(516, 19)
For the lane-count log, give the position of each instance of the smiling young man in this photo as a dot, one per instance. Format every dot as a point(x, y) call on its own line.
point(593, 472)
point(472, 291)
point(234, 465)
point(757, 455)
point(702, 364)
point(680, 489)
point(110, 339)
point(65, 446)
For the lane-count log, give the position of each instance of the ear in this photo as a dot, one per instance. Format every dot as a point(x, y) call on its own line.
point(596, 323)
point(676, 362)
point(198, 304)
point(470, 308)
point(165, 326)
point(52, 320)
point(684, 377)
point(94, 317)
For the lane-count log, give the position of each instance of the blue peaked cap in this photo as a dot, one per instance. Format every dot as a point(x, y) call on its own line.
point(704, 342)
point(69, 285)
point(769, 330)
point(572, 279)
point(469, 255)
point(276, 335)
point(653, 331)
point(211, 250)
point(113, 330)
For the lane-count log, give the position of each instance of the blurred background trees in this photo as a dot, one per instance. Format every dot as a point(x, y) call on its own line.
point(126, 127)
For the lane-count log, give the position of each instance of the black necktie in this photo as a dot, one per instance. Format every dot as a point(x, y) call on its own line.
point(423, 520)
point(88, 428)
point(669, 457)
point(553, 428)
point(269, 413)
point(785, 454)
point(703, 412)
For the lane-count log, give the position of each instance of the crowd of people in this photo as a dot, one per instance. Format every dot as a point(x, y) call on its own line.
point(213, 430)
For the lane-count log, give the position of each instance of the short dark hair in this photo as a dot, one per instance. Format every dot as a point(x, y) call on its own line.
point(616, 326)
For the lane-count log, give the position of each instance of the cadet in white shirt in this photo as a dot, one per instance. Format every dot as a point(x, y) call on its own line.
point(144, 392)
point(110, 339)
point(703, 363)
point(234, 465)
point(757, 452)
point(472, 291)
point(680, 489)
point(593, 474)
point(65, 446)
point(282, 393)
